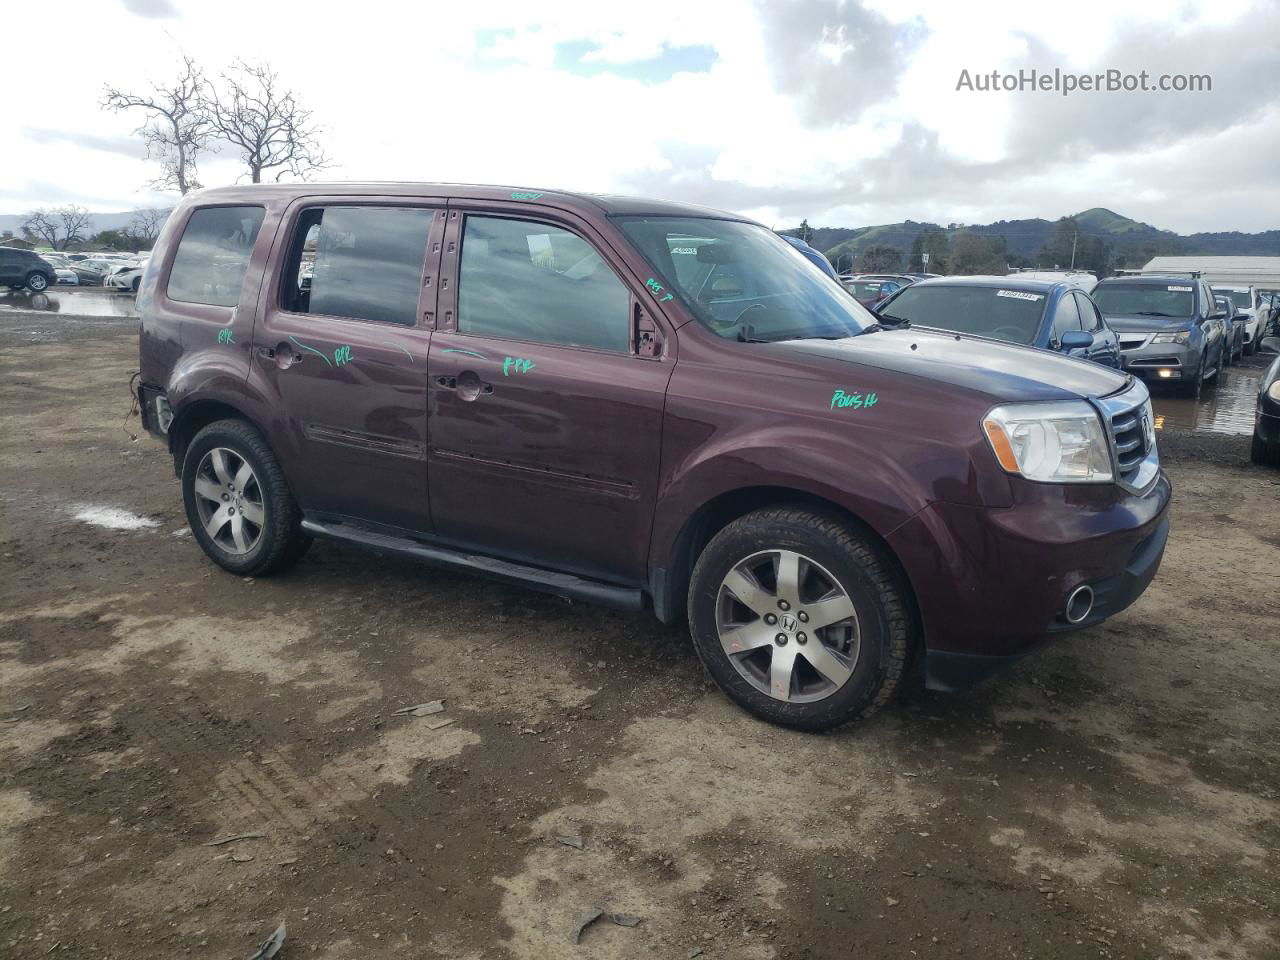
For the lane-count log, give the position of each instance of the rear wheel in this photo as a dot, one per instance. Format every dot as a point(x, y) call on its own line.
point(37, 282)
point(799, 620)
point(238, 505)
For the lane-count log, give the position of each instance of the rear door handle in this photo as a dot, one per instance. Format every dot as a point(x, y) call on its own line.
point(267, 352)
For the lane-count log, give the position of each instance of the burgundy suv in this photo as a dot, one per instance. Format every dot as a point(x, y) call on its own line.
point(644, 404)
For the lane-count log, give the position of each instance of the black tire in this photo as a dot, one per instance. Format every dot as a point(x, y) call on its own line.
point(864, 573)
point(1191, 388)
point(37, 282)
point(137, 282)
point(282, 542)
point(1264, 454)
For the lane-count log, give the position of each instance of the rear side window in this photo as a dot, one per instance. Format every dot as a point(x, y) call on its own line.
point(364, 263)
point(521, 280)
point(213, 254)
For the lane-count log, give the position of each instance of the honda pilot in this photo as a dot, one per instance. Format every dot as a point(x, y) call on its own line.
point(649, 405)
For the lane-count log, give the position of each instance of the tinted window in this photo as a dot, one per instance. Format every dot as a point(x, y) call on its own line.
point(1066, 317)
point(1240, 298)
point(212, 255)
point(743, 281)
point(996, 312)
point(1145, 299)
point(521, 280)
point(1090, 318)
point(359, 262)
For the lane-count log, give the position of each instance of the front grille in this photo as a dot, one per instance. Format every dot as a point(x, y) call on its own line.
point(1130, 438)
point(1132, 343)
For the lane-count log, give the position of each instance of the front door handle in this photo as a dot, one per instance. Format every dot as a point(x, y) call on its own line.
point(449, 383)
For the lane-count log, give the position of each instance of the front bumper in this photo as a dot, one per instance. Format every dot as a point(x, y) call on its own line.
point(991, 584)
point(1162, 361)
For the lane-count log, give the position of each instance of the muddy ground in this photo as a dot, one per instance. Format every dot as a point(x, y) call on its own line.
point(1116, 796)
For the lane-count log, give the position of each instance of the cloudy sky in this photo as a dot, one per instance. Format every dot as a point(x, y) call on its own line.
point(846, 113)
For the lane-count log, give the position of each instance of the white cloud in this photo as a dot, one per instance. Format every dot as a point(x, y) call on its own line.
point(403, 92)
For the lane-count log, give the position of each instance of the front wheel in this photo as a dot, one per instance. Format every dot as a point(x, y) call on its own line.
point(238, 504)
point(1264, 454)
point(800, 620)
point(37, 282)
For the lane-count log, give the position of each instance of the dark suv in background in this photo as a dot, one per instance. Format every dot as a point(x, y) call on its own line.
point(1170, 327)
point(22, 268)
point(645, 404)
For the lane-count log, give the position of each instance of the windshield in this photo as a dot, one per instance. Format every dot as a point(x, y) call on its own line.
point(1002, 314)
point(1240, 298)
point(743, 281)
point(1146, 299)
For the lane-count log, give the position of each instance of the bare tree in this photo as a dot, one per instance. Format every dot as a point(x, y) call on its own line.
point(177, 127)
point(266, 125)
point(59, 227)
point(145, 226)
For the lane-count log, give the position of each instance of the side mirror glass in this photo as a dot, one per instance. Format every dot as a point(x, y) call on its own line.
point(1077, 340)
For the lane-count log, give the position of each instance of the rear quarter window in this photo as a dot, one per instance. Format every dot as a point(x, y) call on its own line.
point(213, 254)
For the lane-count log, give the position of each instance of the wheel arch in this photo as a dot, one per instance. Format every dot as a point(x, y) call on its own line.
point(194, 417)
point(669, 586)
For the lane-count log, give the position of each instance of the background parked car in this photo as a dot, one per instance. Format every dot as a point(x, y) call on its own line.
point(22, 268)
point(1051, 315)
point(126, 276)
point(1238, 322)
point(1076, 278)
point(1249, 302)
point(1170, 327)
point(869, 289)
point(1266, 424)
point(813, 256)
point(66, 275)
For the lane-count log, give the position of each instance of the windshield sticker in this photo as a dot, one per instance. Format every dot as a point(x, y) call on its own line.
point(298, 343)
point(685, 250)
point(341, 356)
point(1179, 289)
point(518, 364)
point(224, 335)
point(656, 288)
point(855, 400)
point(524, 195)
point(1020, 295)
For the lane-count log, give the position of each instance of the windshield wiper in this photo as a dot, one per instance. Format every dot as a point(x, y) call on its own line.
point(1153, 313)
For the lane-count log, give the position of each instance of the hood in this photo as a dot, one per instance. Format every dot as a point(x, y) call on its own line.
point(1128, 324)
point(1003, 372)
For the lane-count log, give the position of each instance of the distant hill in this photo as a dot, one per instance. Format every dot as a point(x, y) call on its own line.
point(1127, 240)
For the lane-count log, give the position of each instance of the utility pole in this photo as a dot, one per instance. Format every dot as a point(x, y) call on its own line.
point(1074, 237)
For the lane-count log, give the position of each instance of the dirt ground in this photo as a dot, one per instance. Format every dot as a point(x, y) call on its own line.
point(1117, 795)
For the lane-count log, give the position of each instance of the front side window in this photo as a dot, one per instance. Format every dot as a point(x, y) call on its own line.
point(521, 280)
point(361, 263)
point(1065, 318)
point(996, 312)
point(1159, 300)
point(1090, 318)
point(212, 255)
point(742, 281)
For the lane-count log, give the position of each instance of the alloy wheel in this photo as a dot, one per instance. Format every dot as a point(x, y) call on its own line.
point(787, 625)
point(37, 282)
point(229, 501)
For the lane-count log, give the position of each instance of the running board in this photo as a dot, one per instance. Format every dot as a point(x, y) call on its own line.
point(535, 578)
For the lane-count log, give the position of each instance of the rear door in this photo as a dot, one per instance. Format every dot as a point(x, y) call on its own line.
point(9, 267)
point(545, 416)
point(342, 346)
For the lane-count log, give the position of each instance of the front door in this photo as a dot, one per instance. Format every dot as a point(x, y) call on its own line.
point(1105, 348)
point(545, 421)
point(342, 347)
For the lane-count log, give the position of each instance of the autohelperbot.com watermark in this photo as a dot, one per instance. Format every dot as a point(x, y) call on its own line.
point(1065, 83)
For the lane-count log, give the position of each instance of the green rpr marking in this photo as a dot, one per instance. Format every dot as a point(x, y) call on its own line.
point(656, 288)
point(469, 353)
point(855, 400)
point(224, 335)
point(518, 364)
point(342, 356)
point(298, 343)
point(524, 195)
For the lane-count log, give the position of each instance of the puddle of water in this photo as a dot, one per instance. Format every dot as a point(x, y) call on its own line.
point(81, 301)
point(113, 518)
point(1227, 407)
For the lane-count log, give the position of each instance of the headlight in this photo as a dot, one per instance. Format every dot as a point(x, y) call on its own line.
point(1183, 337)
point(1273, 391)
point(1050, 442)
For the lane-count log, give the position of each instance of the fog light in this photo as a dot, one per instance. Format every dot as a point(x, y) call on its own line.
point(1165, 374)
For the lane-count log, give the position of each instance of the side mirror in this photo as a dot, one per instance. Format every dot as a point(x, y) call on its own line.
point(1077, 340)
